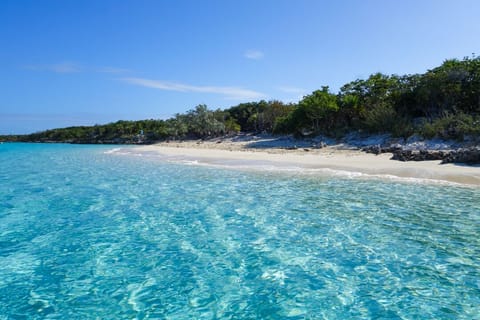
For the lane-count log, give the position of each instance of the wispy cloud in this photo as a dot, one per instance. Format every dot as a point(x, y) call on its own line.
point(62, 67)
point(66, 67)
point(236, 93)
point(111, 70)
point(72, 67)
point(254, 54)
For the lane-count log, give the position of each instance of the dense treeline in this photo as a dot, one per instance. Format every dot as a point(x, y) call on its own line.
point(443, 102)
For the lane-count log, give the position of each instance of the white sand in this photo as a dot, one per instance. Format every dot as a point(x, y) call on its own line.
point(332, 157)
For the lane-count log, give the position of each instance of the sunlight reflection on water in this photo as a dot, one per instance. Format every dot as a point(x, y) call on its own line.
point(84, 234)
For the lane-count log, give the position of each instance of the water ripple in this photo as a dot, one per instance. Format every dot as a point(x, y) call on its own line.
point(90, 234)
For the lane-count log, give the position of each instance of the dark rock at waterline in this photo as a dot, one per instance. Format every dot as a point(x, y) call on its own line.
point(466, 155)
point(463, 155)
point(419, 155)
point(378, 149)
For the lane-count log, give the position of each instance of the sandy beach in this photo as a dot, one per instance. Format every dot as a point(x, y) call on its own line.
point(281, 153)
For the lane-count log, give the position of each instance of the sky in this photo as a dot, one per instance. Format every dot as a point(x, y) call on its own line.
point(66, 63)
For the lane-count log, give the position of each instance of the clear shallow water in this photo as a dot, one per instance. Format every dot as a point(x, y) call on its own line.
point(87, 234)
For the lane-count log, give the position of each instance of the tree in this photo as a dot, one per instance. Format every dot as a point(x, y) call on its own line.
point(202, 122)
point(452, 87)
point(319, 107)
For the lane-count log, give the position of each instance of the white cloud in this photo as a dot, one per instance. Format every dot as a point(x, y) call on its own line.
point(62, 67)
point(236, 93)
point(65, 67)
point(254, 54)
point(71, 67)
point(111, 70)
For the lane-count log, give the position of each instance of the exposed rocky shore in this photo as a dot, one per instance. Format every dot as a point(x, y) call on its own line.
point(426, 150)
point(463, 155)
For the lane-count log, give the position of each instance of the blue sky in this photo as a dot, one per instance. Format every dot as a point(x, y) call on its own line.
point(84, 62)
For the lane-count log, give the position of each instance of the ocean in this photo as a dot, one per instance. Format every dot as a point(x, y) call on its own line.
point(101, 232)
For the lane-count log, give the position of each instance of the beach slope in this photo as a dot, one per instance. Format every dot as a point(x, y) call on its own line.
point(247, 153)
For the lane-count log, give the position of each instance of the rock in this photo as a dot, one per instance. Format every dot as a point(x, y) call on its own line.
point(467, 156)
point(319, 145)
point(377, 149)
point(419, 155)
point(427, 150)
point(402, 155)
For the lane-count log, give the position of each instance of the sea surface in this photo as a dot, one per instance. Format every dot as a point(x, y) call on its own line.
point(97, 232)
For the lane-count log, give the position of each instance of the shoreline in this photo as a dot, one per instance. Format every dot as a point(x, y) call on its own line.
point(241, 154)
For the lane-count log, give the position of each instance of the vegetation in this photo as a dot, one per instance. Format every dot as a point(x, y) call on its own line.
point(443, 102)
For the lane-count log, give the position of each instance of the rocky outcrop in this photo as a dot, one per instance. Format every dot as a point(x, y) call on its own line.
point(467, 156)
point(462, 155)
point(420, 155)
point(378, 149)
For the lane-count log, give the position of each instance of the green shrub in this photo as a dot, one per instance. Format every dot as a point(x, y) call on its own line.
point(452, 126)
point(232, 126)
point(382, 118)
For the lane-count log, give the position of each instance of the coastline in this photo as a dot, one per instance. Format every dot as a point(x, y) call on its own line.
point(281, 154)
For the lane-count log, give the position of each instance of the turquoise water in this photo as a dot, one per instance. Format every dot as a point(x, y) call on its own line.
point(86, 233)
